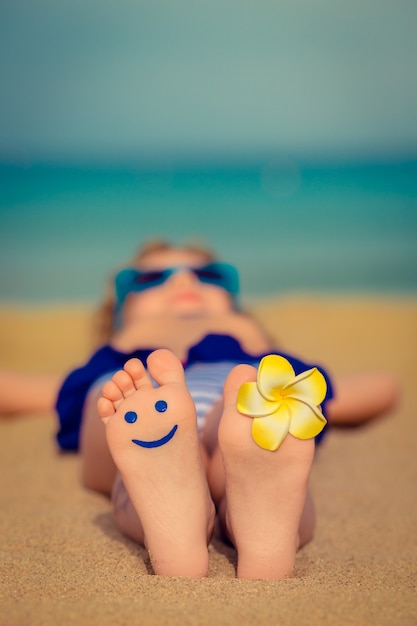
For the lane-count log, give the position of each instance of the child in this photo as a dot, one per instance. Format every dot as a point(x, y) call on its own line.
point(168, 472)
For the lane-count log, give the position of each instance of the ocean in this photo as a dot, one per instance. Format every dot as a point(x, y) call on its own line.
point(287, 227)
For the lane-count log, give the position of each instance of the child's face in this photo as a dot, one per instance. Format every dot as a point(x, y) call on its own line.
point(182, 294)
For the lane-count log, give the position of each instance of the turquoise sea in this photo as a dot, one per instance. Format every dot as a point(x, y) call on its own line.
point(288, 227)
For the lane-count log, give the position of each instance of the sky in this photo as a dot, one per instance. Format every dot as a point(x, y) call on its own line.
point(144, 80)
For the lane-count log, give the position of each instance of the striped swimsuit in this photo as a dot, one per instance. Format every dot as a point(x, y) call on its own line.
point(205, 383)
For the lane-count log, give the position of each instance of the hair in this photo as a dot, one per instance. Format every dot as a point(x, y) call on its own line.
point(104, 316)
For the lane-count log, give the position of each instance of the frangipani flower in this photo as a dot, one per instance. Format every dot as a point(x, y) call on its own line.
point(281, 402)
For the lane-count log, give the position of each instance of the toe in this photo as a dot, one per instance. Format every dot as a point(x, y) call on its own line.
point(111, 391)
point(234, 428)
point(239, 375)
point(105, 408)
point(137, 372)
point(125, 383)
point(165, 367)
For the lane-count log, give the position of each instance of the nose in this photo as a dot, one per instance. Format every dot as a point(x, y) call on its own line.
point(183, 277)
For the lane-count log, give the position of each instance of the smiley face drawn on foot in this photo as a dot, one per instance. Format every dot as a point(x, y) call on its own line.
point(160, 406)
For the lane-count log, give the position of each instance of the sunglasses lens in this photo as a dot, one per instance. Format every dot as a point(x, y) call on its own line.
point(209, 275)
point(219, 274)
point(130, 279)
point(146, 279)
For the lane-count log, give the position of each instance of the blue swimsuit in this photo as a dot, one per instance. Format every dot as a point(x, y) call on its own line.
point(204, 381)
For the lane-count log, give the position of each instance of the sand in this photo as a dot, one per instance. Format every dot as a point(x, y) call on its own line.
point(64, 562)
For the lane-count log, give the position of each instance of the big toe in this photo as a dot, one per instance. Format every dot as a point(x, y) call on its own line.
point(234, 428)
point(239, 375)
point(165, 367)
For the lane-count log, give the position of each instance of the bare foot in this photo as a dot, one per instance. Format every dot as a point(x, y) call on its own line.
point(266, 492)
point(152, 436)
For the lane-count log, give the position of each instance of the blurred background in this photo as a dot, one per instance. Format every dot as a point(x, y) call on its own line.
point(283, 134)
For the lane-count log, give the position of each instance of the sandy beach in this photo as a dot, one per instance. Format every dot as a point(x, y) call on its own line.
point(63, 561)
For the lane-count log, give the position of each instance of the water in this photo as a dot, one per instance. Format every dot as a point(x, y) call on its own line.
point(287, 228)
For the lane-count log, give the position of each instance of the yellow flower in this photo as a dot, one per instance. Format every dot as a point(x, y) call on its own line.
point(283, 403)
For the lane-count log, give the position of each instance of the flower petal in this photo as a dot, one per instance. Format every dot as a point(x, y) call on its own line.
point(270, 431)
point(307, 421)
point(250, 402)
point(310, 385)
point(274, 372)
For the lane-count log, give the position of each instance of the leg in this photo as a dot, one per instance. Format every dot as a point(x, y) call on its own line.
point(361, 398)
point(98, 470)
point(26, 393)
point(267, 511)
point(153, 439)
point(125, 515)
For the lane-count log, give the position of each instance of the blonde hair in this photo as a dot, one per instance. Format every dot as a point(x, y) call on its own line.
point(104, 316)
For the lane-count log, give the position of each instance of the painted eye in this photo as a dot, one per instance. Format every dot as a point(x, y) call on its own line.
point(161, 406)
point(131, 417)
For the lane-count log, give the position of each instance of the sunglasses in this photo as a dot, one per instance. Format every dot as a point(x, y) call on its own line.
point(132, 280)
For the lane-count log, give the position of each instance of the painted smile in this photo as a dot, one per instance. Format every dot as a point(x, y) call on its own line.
point(157, 442)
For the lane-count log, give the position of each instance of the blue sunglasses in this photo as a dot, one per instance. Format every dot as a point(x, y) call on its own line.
point(132, 280)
